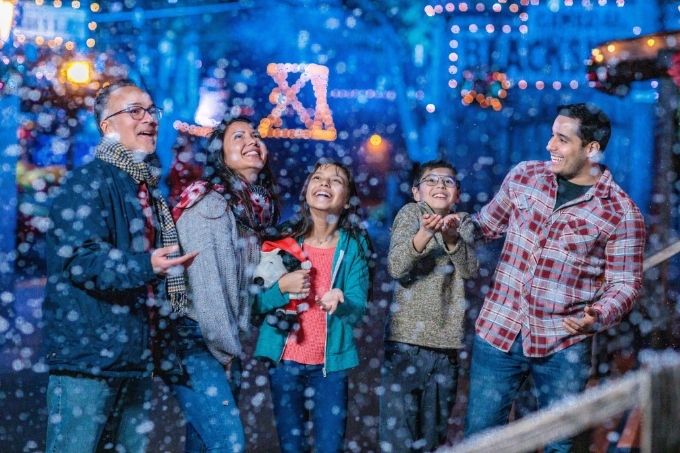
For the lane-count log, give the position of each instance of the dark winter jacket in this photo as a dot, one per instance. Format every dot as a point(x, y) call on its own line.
point(99, 275)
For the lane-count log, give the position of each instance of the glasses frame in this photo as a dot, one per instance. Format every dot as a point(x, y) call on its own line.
point(153, 111)
point(441, 178)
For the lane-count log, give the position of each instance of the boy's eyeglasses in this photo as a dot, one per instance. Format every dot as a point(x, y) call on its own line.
point(433, 180)
point(137, 112)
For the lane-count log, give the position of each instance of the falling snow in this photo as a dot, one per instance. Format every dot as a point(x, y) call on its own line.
point(476, 83)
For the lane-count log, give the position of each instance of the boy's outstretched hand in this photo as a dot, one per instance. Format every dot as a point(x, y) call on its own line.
point(431, 223)
point(450, 228)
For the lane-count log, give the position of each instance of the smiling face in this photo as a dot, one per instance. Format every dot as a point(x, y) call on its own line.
point(328, 190)
point(244, 151)
point(442, 196)
point(570, 158)
point(134, 135)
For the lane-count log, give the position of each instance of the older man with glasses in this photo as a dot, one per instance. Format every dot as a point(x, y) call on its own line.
point(113, 259)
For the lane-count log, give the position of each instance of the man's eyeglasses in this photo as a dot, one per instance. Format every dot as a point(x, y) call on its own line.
point(433, 180)
point(137, 112)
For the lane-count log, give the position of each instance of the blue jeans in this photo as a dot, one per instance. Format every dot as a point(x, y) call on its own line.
point(496, 376)
point(419, 390)
point(79, 407)
point(207, 398)
point(298, 389)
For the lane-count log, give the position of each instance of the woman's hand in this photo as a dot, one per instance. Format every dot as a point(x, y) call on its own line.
point(296, 282)
point(329, 301)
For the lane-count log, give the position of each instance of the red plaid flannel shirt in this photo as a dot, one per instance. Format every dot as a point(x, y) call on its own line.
point(555, 262)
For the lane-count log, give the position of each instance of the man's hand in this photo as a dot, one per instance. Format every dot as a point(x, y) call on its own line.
point(296, 282)
point(586, 324)
point(329, 302)
point(162, 265)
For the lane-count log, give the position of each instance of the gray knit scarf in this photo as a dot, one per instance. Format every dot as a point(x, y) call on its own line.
point(147, 170)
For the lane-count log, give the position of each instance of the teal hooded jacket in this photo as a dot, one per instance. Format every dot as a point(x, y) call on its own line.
point(350, 268)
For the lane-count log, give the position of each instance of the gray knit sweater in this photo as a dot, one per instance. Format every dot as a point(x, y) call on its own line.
point(220, 275)
point(429, 297)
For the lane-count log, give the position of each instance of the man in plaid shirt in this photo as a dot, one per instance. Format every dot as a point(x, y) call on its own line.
point(571, 266)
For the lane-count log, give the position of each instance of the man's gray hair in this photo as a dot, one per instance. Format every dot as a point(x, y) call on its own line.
point(101, 101)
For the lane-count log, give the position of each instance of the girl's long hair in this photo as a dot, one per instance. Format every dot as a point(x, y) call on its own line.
point(217, 172)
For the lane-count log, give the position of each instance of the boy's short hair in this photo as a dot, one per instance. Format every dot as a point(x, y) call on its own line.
point(419, 170)
point(594, 125)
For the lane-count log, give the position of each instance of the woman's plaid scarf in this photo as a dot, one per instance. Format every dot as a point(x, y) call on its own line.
point(147, 169)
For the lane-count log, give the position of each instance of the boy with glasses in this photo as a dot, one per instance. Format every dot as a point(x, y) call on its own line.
point(430, 258)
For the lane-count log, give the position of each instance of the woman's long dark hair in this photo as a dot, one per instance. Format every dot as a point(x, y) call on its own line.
point(217, 172)
point(351, 218)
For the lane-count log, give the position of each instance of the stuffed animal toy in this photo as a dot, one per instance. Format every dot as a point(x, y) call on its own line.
point(276, 259)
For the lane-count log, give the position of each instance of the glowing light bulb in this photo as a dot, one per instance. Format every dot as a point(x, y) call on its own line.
point(79, 72)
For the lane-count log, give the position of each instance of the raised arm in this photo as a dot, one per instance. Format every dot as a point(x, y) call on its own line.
point(492, 219)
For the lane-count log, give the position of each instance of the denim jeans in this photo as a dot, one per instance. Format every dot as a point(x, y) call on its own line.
point(208, 397)
point(496, 376)
point(299, 389)
point(419, 390)
point(79, 407)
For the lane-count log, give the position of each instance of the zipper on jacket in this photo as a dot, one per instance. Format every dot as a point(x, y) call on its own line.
point(341, 255)
point(325, 347)
point(283, 349)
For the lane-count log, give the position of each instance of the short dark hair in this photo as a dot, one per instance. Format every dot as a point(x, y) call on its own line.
point(594, 124)
point(419, 170)
point(101, 100)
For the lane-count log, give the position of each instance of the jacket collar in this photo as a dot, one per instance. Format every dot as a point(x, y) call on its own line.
point(600, 189)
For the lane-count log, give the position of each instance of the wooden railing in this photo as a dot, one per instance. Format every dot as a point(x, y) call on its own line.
point(655, 390)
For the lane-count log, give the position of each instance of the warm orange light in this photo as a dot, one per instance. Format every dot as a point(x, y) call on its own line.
point(375, 140)
point(79, 72)
point(611, 47)
point(651, 42)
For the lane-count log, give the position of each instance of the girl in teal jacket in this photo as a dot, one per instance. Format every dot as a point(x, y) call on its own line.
point(309, 362)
